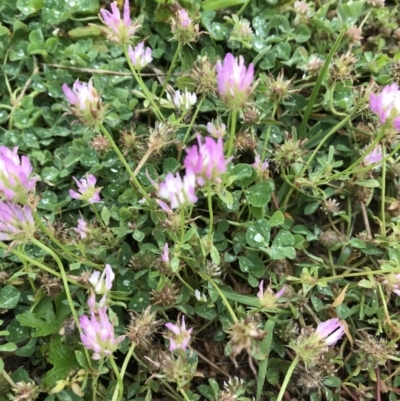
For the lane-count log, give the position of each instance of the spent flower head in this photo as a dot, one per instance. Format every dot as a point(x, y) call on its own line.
point(386, 105)
point(16, 223)
point(87, 191)
point(102, 282)
point(177, 190)
point(118, 29)
point(234, 81)
point(206, 160)
point(392, 283)
point(216, 129)
point(140, 56)
point(98, 332)
point(180, 337)
point(15, 176)
point(85, 101)
point(183, 28)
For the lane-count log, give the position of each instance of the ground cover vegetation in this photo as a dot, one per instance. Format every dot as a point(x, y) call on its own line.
point(199, 200)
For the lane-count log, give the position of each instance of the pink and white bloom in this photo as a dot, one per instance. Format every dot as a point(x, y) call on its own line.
point(181, 337)
point(87, 191)
point(374, 156)
point(177, 190)
point(386, 105)
point(216, 130)
point(183, 100)
point(16, 223)
point(98, 333)
point(165, 254)
point(234, 80)
point(206, 160)
point(85, 101)
point(102, 284)
point(140, 56)
point(267, 298)
point(15, 176)
point(183, 28)
point(259, 165)
point(118, 29)
point(392, 283)
point(82, 229)
point(183, 18)
point(330, 331)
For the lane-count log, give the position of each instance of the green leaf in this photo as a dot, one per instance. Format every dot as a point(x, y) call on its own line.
point(63, 360)
point(258, 233)
point(208, 5)
point(9, 347)
point(350, 12)
point(9, 297)
point(43, 327)
point(302, 33)
point(277, 219)
point(260, 194)
point(105, 215)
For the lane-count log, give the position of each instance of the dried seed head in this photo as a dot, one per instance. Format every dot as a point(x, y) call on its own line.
point(143, 327)
point(204, 76)
point(24, 392)
point(289, 152)
point(314, 65)
point(343, 67)
point(279, 88)
point(212, 269)
point(251, 115)
point(51, 285)
point(233, 389)
point(100, 144)
point(245, 141)
point(288, 331)
point(4, 276)
point(133, 144)
point(160, 136)
point(396, 35)
point(354, 34)
point(166, 296)
point(331, 239)
point(376, 3)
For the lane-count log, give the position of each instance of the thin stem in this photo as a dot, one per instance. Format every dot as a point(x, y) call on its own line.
point(233, 133)
point(117, 396)
point(142, 85)
point(268, 134)
point(182, 391)
point(125, 164)
point(99, 219)
point(124, 366)
point(287, 378)
point(143, 161)
point(220, 293)
point(171, 67)
point(8, 378)
point(66, 287)
point(383, 193)
point(210, 211)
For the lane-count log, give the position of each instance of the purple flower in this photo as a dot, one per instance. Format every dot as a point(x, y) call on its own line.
point(181, 337)
point(206, 160)
point(184, 100)
point(85, 101)
point(374, 156)
point(16, 223)
point(183, 28)
point(331, 331)
point(82, 228)
point(117, 29)
point(98, 333)
point(15, 181)
point(234, 80)
point(259, 165)
point(140, 56)
point(86, 187)
point(267, 298)
point(165, 254)
point(218, 131)
point(183, 18)
point(102, 284)
point(179, 191)
point(387, 105)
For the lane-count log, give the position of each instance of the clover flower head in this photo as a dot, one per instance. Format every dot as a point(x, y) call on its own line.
point(267, 297)
point(177, 190)
point(87, 191)
point(234, 81)
point(118, 29)
point(183, 100)
point(181, 336)
point(16, 223)
point(386, 105)
point(82, 228)
point(102, 284)
point(259, 165)
point(206, 160)
point(216, 130)
point(374, 156)
point(183, 28)
point(140, 56)
point(165, 254)
point(330, 331)
point(15, 176)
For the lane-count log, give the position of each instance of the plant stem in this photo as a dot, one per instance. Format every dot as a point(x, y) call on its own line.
point(142, 85)
point(287, 378)
point(100, 220)
point(210, 211)
point(268, 133)
point(66, 287)
point(117, 396)
point(182, 391)
point(233, 132)
point(220, 293)
point(171, 67)
point(383, 193)
point(125, 164)
point(124, 366)
point(200, 103)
